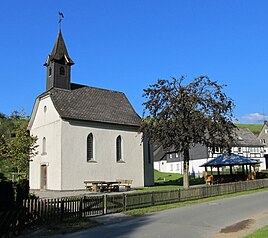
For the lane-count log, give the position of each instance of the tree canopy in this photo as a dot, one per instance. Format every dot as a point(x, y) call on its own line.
point(17, 146)
point(181, 115)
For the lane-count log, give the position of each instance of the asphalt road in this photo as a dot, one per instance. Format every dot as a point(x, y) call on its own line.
point(230, 217)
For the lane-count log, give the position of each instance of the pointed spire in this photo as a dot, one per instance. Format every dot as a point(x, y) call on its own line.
point(58, 65)
point(59, 52)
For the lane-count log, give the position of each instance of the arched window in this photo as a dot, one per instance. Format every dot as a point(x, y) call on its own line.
point(44, 146)
point(149, 152)
point(62, 70)
point(118, 148)
point(90, 147)
point(49, 71)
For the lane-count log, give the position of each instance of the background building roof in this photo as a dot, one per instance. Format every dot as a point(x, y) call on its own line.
point(245, 137)
point(196, 152)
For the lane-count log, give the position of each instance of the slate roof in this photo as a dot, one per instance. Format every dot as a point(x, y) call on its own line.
point(196, 152)
point(93, 104)
point(159, 152)
point(233, 159)
point(245, 137)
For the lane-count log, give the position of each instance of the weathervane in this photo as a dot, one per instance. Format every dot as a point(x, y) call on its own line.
point(61, 16)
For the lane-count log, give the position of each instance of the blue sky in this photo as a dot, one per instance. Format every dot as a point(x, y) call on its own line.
point(125, 45)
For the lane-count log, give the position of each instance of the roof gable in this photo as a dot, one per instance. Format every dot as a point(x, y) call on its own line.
point(263, 134)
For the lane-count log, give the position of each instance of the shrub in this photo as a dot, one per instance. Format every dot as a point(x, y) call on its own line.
point(22, 190)
point(7, 195)
point(262, 175)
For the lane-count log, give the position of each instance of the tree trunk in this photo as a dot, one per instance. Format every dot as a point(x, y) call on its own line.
point(186, 159)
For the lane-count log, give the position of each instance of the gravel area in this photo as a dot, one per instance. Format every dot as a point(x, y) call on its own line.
point(60, 194)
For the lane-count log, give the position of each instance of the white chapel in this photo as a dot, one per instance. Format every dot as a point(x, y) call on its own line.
point(84, 133)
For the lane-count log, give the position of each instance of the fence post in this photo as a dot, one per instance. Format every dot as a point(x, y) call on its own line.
point(179, 195)
point(152, 198)
point(81, 207)
point(104, 208)
point(61, 209)
point(124, 202)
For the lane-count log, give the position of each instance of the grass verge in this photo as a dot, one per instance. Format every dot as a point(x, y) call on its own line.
point(157, 208)
point(60, 227)
point(260, 233)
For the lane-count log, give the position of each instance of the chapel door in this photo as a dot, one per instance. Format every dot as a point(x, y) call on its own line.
point(43, 182)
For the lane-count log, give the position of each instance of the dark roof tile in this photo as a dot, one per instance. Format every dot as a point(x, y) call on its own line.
point(244, 138)
point(94, 104)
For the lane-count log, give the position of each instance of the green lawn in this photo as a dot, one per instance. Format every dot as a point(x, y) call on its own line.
point(168, 181)
point(174, 179)
point(261, 233)
point(255, 128)
point(166, 177)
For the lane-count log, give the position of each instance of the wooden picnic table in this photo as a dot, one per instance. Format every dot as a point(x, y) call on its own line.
point(102, 186)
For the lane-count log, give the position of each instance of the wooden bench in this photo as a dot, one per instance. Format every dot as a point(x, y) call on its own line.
point(126, 183)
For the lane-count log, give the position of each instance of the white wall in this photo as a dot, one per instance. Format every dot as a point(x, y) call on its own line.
point(171, 167)
point(195, 166)
point(263, 164)
point(46, 124)
point(177, 167)
point(76, 169)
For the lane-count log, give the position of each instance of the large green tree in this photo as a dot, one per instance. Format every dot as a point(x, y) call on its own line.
point(180, 115)
point(17, 146)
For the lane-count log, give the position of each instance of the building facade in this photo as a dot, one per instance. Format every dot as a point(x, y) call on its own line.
point(246, 144)
point(170, 161)
point(263, 137)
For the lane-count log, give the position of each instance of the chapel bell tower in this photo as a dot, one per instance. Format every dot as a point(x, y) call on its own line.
point(58, 65)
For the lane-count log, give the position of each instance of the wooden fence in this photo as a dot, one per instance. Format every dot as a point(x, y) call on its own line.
point(105, 204)
point(124, 202)
point(88, 206)
point(62, 208)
